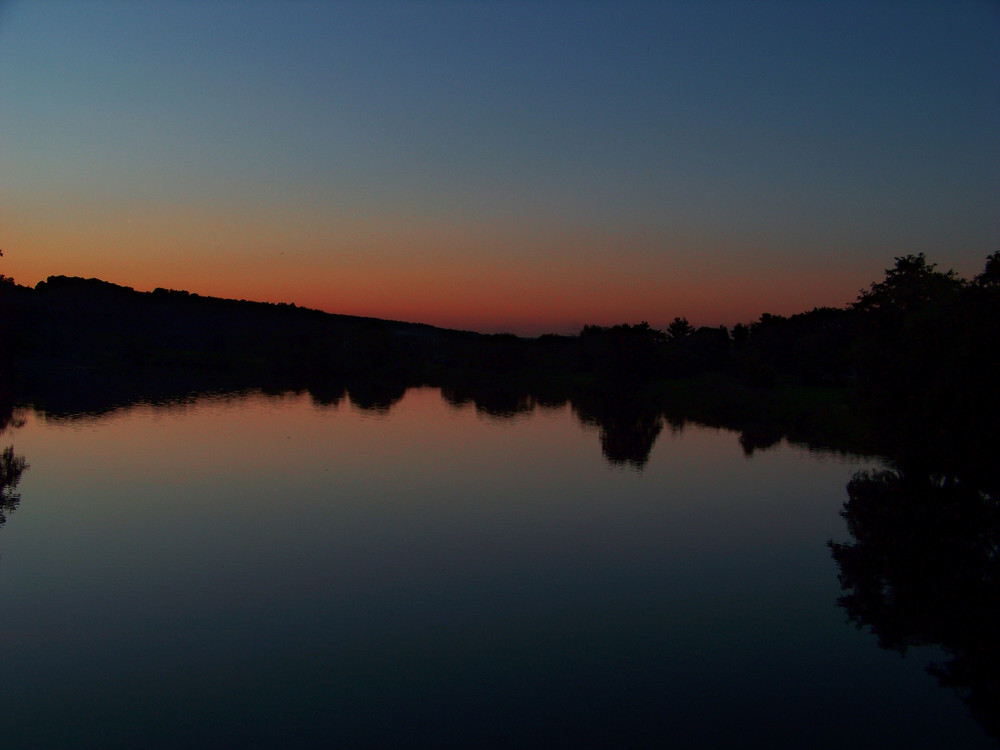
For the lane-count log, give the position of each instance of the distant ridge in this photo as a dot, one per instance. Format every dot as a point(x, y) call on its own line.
point(94, 286)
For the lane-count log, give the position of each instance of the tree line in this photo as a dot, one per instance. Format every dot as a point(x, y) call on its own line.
point(917, 349)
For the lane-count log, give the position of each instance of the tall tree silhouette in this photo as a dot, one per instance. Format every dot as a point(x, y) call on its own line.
point(679, 329)
point(910, 286)
point(990, 277)
point(927, 358)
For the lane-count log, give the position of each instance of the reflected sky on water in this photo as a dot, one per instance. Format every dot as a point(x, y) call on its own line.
point(276, 571)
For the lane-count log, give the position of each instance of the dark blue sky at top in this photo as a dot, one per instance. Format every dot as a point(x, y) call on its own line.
point(796, 134)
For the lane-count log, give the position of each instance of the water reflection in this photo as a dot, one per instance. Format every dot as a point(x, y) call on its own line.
point(759, 438)
point(12, 466)
point(628, 423)
point(456, 569)
point(924, 569)
point(490, 397)
point(328, 395)
point(629, 426)
point(376, 395)
point(629, 420)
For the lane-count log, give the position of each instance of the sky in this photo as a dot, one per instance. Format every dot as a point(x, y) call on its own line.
point(516, 166)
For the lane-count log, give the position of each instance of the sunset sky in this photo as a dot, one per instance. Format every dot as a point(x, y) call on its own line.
point(500, 166)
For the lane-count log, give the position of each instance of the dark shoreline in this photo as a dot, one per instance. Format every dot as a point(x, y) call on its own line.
point(907, 372)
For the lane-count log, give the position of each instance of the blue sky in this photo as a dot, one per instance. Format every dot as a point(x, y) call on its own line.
point(519, 166)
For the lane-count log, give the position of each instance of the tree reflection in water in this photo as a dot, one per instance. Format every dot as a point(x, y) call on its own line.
point(924, 569)
point(11, 468)
point(629, 426)
point(11, 465)
point(492, 398)
point(377, 395)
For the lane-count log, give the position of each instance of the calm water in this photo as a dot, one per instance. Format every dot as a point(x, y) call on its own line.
point(262, 571)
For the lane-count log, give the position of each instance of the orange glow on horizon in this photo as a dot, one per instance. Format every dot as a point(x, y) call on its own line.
point(461, 278)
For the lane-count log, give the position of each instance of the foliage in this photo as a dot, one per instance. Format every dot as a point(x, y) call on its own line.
point(622, 357)
point(910, 286)
point(679, 329)
point(927, 360)
point(5, 279)
point(990, 277)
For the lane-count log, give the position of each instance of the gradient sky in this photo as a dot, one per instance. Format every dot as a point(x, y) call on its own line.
point(519, 166)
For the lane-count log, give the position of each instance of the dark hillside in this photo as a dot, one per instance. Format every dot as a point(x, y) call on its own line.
point(68, 325)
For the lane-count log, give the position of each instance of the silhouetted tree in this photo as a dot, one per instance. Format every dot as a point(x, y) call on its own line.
point(909, 286)
point(679, 329)
point(927, 360)
point(5, 279)
point(624, 357)
point(767, 321)
point(991, 274)
point(741, 334)
point(810, 348)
